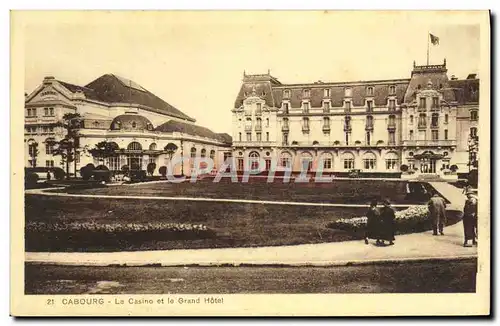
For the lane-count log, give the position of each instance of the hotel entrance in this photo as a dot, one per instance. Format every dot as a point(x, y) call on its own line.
point(428, 162)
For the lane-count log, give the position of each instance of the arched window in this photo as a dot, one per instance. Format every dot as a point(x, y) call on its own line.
point(212, 154)
point(203, 152)
point(369, 161)
point(369, 91)
point(306, 161)
point(446, 118)
point(422, 120)
point(286, 159)
point(392, 90)
point(253, 161)
point(134, 146)
point(473, 115)
point(326, 122)
point(348, 160)
point(134, 124)
point(411, 119)
point(49, 146)
point(193, 152)
point(435, 120)
point(152, 147)
point(391, 161)
point(327, 161)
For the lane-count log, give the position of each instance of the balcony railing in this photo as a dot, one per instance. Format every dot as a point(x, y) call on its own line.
point(254, 143)
point(434, 125)
point(305, 128)
point(392, 108)
point(248, 113)
point(422, 126)
point(391, 125)
point(248, 127)
point(369, 126)
point(258, 127)
point(430, 142)
point(258, 112)
point(326, 128)
point(347, 127)
point(435, 107)
point(285, 127)
point(422, 108)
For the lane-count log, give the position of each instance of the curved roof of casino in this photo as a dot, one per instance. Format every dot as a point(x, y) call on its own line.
point(193, 130)
point(131, 122)
point(110, 88)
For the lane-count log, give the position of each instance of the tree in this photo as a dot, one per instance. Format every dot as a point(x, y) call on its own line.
point(151, 168)
point(67, 147)
point(104, 150)
point(171, 148)
point(163, 170)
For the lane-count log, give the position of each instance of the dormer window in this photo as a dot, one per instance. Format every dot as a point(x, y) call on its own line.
point(473, 115)
point(348, 92)
point(134, 124)
point(326, 92)
point(369, 106)
point(305, 107)
point(392, 89)
point(347, 105)
point(369, 91)
point(306, 93)
point(286, 93)
point(285, 107)
point(326, 106)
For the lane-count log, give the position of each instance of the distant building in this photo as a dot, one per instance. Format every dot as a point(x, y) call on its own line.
point(117, 110)
point(424, 122)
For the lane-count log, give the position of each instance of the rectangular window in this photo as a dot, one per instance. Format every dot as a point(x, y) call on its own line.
point(347, 138)
point(267, 136)
point(239, 136)
point(411, 134)
point(306, 93)
point(285, 162)
point(423, 103)
point(369, 163)
point(285, 138)
point(348, 106)
point(268, 164)
point(435, 102)
point(368, 138)
point(45, 111)
point(326, 107)
point(327, 163)
point(434, 134)
point(348, 163)
point(446, 134)
point(249, 136)
point(49, 148)
point(305, 106)
point(49, 163)
point(445, 118)
point(285, 108)
point(240, 164)
point(392, 105)
point(392, 138)
point(286, 94)
point(259, 136)
point(369, 106)
point(51, 112)
point(326, 92)
point(391, 164)
point(306, 123)
point(474, 115)
point(267, 122)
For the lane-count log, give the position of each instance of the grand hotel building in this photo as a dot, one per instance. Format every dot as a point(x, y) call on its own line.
point(424, 122)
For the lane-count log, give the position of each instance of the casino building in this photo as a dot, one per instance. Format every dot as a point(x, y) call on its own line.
point(116, 110)
point(424, 122)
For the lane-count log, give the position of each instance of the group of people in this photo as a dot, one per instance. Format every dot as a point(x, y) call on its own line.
point(381, 224)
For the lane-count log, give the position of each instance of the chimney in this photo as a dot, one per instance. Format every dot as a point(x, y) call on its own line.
point(453, 77)
point(472, 76)
point(48, 80)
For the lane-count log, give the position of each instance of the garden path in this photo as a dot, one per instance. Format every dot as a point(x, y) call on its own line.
point(417, 246)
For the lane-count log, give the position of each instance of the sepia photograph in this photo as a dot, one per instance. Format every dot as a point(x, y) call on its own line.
point(167, 160)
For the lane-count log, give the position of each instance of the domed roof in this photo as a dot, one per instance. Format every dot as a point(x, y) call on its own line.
point(131, 122)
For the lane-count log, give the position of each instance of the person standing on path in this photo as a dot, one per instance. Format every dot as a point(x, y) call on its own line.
point(470, 219)
point(437, 212)
point(387, 228)
point(373, 223)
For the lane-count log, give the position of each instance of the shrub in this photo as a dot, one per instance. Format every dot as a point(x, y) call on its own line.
point(30, 178)
point(125, 169)
point(102, 173)
point(137, 175)
point(87, 171)
point(59, 173)
point(151, 168)
point(472, 178)
point(404, 168)
point(412, 219)
point(163, 170)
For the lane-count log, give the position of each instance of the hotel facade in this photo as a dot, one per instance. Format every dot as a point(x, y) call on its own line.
point(424, 122)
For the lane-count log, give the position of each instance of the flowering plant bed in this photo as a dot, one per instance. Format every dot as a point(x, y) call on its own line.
point(82, 235)
point(411, 220)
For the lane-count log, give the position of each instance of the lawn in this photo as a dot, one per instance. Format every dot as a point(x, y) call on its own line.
point(339, 191)
point(235, 224)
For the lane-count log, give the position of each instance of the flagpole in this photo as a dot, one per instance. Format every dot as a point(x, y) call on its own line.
point(428, 37)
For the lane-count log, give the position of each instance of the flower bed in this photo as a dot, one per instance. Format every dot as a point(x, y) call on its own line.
point(411, 220)
point(41, 236)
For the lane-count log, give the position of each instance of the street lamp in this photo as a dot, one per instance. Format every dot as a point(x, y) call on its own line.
point(473, 148)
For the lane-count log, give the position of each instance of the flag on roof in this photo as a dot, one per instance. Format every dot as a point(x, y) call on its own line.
point(434, 39)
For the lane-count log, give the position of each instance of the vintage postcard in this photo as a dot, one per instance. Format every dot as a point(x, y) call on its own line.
point(250, 163)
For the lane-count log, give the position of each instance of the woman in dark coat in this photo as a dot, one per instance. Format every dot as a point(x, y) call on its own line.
point(388, 223)
point(470, 219)
point(373, 222)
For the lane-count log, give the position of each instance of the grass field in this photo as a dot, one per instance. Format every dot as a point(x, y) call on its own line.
point(456, 276)
point(339, 191)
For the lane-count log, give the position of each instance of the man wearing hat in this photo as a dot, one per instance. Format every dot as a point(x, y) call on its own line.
point(470, 218)
point(437, 212)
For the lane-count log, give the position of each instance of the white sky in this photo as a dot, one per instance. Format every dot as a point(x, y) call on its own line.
point(195, 61)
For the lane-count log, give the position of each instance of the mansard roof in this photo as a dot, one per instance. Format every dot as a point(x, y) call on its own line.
point(192, 129)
